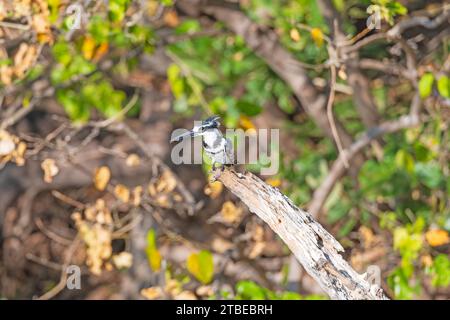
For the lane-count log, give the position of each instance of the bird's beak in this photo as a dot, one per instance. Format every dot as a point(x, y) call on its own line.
point(180, 137)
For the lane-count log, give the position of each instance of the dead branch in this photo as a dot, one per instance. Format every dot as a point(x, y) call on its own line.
point(313, 246)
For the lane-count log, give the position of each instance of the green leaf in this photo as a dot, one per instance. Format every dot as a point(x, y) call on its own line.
point(443, 85)
point(61, 52)
point(440, 271)
point(201, 266)
point(73, 105)
point(399, 283)
point(248, 108)
point(347, 228)
point(248, 290)
point(429, 174)
point(426, 85)
point(188, 26)
point(404, 160)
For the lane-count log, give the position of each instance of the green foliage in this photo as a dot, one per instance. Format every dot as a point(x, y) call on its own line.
point(81, 86)
point(389, 9)
point(249, 290)
point(440, 271)
point(443, 85)
point(426, 85)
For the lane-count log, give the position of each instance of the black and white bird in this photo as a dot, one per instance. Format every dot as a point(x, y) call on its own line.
point(217, 147)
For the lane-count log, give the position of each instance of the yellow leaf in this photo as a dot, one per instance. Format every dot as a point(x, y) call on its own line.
point(214, 189)
point(317, 36)
point(154, 259)
point(274, 182)
point(295, 35)
point(123, 260)
point(201, 266)
point(437, 237)
point(88, 47)
point(50, 169)
point(101, 177)
point(122, 193)
point(247, 124)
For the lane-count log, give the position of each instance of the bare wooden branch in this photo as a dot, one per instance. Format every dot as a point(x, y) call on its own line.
point(316, 249)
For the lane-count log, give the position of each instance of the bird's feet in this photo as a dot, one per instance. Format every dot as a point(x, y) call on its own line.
point(215, 172)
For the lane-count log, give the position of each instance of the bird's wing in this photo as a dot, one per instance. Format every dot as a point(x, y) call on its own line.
point(229, 151)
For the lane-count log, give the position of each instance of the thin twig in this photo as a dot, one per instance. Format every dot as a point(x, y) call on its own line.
point(63, 278)
point(330, 116)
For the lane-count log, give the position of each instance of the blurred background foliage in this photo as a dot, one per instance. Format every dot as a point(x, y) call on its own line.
point(400, 197)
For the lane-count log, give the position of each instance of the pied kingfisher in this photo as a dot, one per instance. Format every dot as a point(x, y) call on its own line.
point(217, 147)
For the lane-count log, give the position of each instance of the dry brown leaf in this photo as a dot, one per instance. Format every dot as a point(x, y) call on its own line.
point(257, 232)
point(295, 35)
point(122, 193)
point(133, 160)
point(173, 287)
point(11, 149)
point(256, 249)
point(123, 260)
point(171, 19)
point(426, 260)
point(230, 213)
point(167, 183)
point(185, 295)
point(101, 177)
point(221, 245)
point(367, 236)
point(24, 59)
point(204, 291)
point(97, 239)
point(101, 51)
point(50, 169)
point(7, 146)
point(137, 196)
point(152, 293)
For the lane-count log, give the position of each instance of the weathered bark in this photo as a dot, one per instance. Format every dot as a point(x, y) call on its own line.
point(313, 246)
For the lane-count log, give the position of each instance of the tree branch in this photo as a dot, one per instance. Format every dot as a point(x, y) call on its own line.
point(313, 246)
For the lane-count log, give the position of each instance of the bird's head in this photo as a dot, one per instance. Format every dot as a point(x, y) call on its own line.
point(209, 123)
